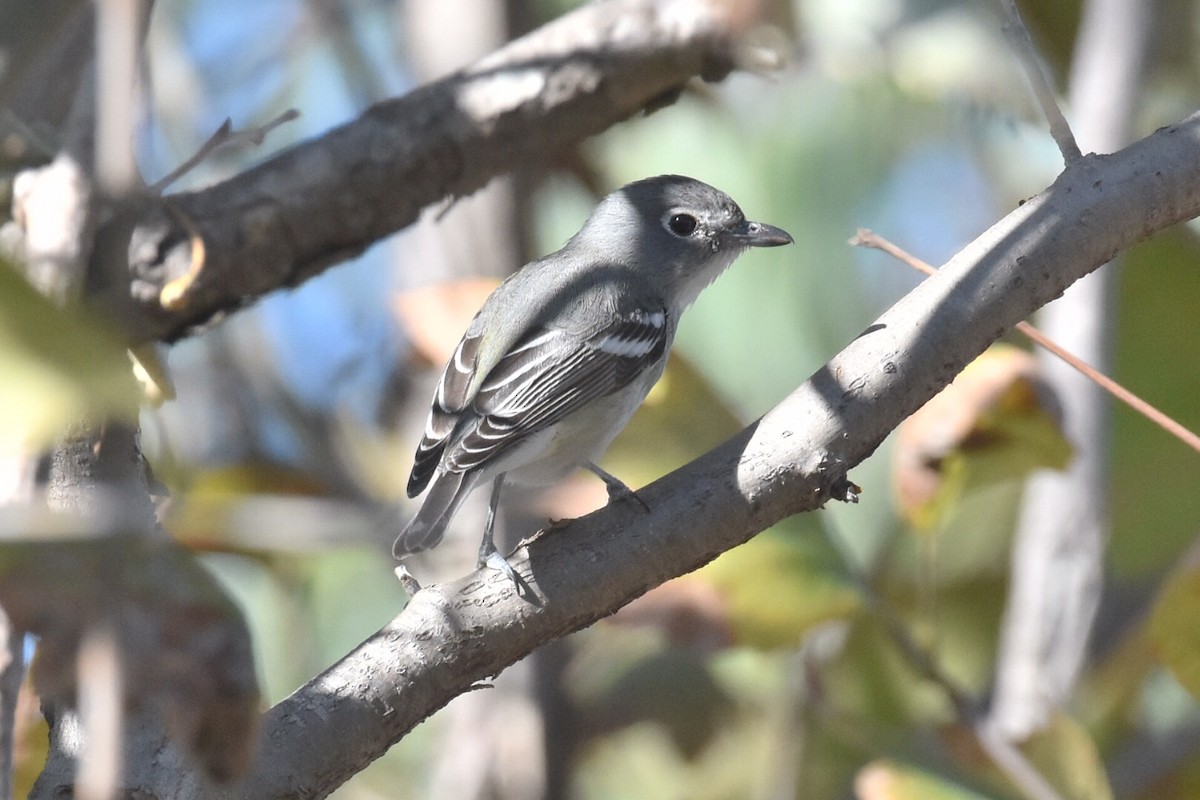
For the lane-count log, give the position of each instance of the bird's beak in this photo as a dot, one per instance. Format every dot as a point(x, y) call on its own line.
point(759, 234)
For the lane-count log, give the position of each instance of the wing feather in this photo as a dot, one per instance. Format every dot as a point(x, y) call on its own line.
point(550, 374)
point(545, 375)
point(448, 402)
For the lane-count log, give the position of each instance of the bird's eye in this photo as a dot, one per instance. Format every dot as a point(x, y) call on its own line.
point(681, 224)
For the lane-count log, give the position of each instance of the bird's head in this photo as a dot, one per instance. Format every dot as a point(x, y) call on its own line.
point(679, 232)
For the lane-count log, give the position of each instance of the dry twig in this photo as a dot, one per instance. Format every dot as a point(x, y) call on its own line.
point(868, 238)
point(224, 135)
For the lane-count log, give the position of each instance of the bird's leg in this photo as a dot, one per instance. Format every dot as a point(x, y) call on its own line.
point(489, 556)
point(617, 490)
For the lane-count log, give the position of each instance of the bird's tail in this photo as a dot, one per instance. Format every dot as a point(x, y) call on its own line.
point(429, 525)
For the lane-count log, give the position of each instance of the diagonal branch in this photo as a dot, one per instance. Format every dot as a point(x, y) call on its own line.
point(330, 198)
point(451, 636)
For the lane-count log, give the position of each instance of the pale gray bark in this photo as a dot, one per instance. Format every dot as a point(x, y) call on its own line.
point(1058, 556)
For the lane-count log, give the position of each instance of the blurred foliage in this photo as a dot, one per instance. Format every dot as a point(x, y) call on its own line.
point(777, 670)
point(187, 655)
point(1154, 508)
point(782, 585)
point(31, 740)
point(1064, 753)
point(996, 423)
point(59, 366)
point(888, 780)
point(1173, 630)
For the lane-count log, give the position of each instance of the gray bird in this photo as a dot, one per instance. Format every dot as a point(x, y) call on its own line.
point(564, 351)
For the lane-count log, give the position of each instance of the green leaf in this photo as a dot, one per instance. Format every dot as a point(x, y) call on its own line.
point(59, 367)
point(1155, 515)
point(1173, 631)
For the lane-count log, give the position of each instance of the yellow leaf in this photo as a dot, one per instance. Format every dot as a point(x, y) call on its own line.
point(888, 780)
point(435, 317)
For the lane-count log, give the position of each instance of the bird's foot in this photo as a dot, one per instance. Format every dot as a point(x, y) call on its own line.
point(617, 490)
point(620, 491)
point(493, 560)
point(845, 490)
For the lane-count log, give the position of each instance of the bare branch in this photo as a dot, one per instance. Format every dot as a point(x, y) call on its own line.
point(100, 712)
point(1013, 763)
point(1018, 35)
point(118, 31)
point(328, 199)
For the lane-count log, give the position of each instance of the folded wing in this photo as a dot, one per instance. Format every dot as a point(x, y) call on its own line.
point(546, 375)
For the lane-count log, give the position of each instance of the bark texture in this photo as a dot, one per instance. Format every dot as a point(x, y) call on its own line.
point(328, 199)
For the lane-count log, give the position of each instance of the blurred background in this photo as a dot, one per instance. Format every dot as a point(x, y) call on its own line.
point(829, 657)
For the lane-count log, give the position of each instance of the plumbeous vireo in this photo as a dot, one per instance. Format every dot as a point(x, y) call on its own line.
point(564, 351)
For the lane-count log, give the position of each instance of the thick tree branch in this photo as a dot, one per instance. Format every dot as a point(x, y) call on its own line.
point(451, 636)
point(328, 199)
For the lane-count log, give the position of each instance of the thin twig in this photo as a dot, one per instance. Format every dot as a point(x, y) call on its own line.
point(1018, 35)
point(867, 238)
point(224, 135)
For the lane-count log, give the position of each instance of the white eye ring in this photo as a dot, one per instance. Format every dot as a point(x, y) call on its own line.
point(680, 224)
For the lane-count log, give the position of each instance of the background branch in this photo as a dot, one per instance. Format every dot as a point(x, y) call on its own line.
point(328, 199)
point(1062, 533)
point(12, 672)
